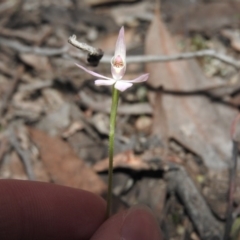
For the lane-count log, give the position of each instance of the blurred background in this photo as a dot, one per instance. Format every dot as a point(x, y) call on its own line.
point(173, 146)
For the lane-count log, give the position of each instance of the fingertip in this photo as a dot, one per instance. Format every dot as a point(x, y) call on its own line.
point(137, 223)
point(140, 223)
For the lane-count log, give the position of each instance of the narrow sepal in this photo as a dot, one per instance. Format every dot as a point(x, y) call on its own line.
point(91, 72)
point(141, 78)
point(120, 48)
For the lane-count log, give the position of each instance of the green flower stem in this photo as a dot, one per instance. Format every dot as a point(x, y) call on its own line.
point(115, 97)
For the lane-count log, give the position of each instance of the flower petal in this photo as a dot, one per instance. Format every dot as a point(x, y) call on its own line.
point(100, 82)
point(120, 48)
point(122, 86)
point(91, 72)
point(141, 78)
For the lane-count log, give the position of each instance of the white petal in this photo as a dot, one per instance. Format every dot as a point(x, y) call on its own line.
point(122, 86)
point(91, 72)
point(141, 78)
point(100, 82)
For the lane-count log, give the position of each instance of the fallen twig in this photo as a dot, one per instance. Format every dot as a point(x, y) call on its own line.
point(184, 56)
point(26, 36)
point(36, 50)
point(95, 55)
point(146, 59)
point(84, 46)
point(196, 207)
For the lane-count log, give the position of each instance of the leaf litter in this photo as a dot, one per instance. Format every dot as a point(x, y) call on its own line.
point(172, 134)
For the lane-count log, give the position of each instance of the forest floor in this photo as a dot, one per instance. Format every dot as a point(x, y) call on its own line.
point(173, 147)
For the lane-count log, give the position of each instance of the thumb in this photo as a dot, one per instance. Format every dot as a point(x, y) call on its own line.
point(138, 223)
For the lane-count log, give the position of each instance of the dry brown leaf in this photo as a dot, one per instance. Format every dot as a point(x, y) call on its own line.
point(193, 121)
point(63, 165)
point(124, 160)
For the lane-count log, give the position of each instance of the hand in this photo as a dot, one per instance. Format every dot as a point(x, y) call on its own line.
point(44, 211)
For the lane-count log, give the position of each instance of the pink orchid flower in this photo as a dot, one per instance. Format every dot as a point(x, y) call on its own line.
point(118, 68)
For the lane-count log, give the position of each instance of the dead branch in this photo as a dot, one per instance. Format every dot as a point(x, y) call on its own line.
point(26, 36)
point(94, 54)
point(184, 56)
point(36, 50)
point(84, 46)
point(146, 59)
point(196, 207)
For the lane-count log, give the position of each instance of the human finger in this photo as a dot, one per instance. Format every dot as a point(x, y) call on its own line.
point(137, 223)
point(36, 210)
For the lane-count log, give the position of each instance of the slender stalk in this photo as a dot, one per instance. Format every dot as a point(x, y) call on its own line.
point(115, 97)
point(231, 191)
point(232, 178)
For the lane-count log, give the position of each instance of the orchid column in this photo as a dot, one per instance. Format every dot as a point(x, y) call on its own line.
point(118, 68)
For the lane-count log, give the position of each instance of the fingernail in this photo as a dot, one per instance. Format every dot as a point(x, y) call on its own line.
point(140, 224)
